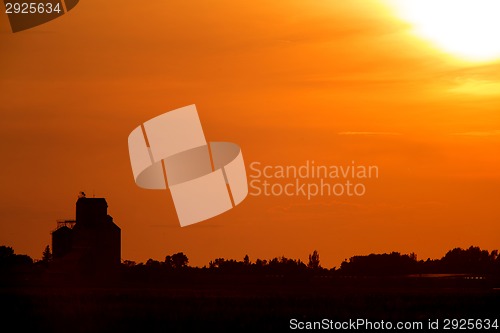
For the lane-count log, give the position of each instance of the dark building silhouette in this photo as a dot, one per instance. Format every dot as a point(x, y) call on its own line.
point(62, 239)
point(91, 243)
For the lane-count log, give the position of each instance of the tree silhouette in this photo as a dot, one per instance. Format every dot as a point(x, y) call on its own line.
point(260, 263)
point(129, 263)
point(472, 260)
point(9, 260)
point(179, 260)
point(168, 262)
point(314, 261)
point(380, 264)
point(47, 255)
point(155, 264)
point(6, 252)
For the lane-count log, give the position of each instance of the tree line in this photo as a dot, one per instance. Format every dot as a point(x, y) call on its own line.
point(472, 260)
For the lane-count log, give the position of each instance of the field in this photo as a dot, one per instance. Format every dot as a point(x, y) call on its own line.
point(238, 305)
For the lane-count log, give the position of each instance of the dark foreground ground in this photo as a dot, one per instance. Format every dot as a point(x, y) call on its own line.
point(228, 305)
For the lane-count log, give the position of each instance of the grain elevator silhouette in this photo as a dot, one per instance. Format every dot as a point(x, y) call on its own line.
point(90, 244)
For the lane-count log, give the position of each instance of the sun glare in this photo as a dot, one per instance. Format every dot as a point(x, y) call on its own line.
point(469, 29)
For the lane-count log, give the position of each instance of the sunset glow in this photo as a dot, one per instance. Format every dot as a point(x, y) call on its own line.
point(340, 83)
point(465, 28)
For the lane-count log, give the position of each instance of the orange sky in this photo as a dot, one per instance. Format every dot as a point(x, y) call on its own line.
point(289, 81)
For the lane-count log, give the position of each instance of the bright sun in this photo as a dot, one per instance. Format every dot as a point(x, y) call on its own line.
point(469, 29)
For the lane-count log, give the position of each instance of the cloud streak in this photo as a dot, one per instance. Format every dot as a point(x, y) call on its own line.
point(369, 133)
point(479, 133)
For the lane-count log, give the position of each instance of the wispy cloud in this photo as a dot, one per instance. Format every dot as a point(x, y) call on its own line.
point(368, 133)
point(479, 133)
point(476, 86)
